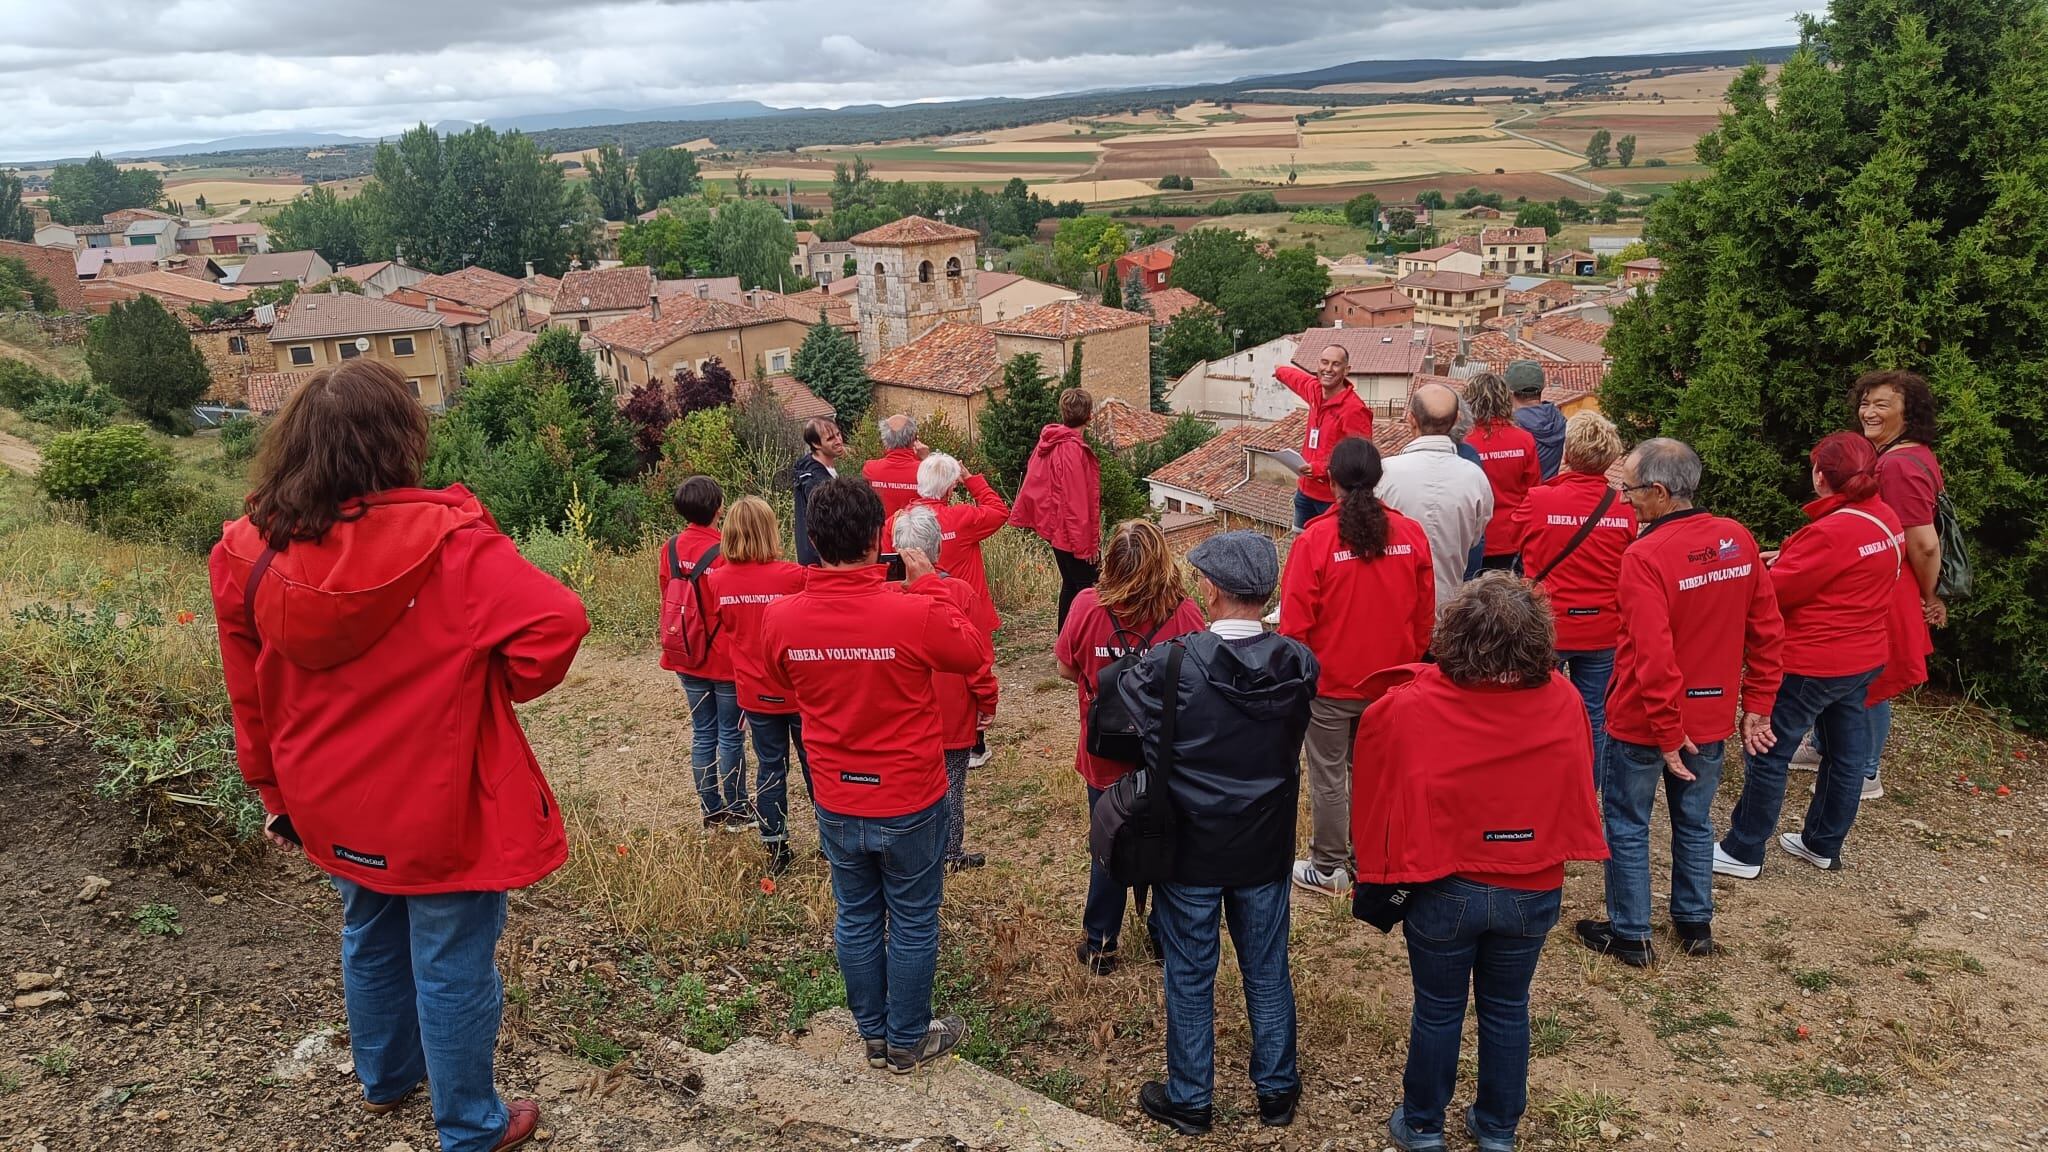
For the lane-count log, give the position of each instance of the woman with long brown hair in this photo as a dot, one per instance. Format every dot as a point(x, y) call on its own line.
point(1139, 601)
point(375, 636)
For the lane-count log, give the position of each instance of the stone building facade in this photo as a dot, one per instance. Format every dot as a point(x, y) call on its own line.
point(915, 274)
point(233, 350)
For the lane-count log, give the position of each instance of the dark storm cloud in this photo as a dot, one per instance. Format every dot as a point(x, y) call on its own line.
point(196, 69)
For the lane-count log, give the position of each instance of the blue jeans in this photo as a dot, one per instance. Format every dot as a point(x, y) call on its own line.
point(773, 736)
point(1463, 935)
point(1880, 735)
point(1102, 915)
point(888, 873)
point(1590, 670)
point(1307, 508)
point(1833, 707)
point(1627, 796)
point(420, 978)
point(1258, 920)
point(715, 739)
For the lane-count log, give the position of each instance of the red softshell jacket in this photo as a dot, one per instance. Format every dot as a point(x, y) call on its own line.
point(1484, 780)
point(893, 476)
point(1329, 421)
point(1582, 588)
point(1061, 497)
point(859, 657)
point(1835, 579)
point(714, 660)
point(1358, 615)
point(737, 594)
point(1696, 602)
point(1507, 454)
point(962, 528)
point(373, 696)
point(964, 699)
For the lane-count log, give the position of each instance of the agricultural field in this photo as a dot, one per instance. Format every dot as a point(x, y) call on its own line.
point(230, 193)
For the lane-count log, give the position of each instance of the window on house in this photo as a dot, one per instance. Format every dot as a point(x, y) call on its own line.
point(924, 272)
point(346, 349)
point(881, 275)
point(238, 345)
point(1174, 505)
point(824, 277)
point(583, 324)
point(302, 355)
point(778, 360)
point(401, 345)
point(952, 267)
point(415, 386)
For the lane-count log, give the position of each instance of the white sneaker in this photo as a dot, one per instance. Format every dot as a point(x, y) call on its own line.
point(1726, 865)
point(1272, 618)
point(1335, 882)
point(1793, 843)
point(1873, 789)
point(1806, 758)
point(979, 755)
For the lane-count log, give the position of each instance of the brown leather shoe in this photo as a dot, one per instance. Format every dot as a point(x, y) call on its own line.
point(523, 1116)
point(376, 1108)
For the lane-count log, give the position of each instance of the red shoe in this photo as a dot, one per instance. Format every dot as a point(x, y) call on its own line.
point(523, 1117)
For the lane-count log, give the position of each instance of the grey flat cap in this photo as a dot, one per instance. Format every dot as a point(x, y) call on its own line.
point(1244, 563)
point(1525, 378)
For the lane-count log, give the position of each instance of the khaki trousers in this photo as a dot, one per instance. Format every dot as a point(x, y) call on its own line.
point(1332, 726)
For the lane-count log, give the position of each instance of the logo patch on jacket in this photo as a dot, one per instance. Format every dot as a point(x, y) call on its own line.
point(1728, 549)
point(362, 858)
point(1703, 693)
point(859, 778)
point(1509, 835)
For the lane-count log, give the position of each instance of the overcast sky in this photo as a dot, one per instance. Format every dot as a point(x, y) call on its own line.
point(122, 74)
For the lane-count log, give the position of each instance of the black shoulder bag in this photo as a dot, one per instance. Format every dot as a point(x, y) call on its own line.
point(1113, 732)
point(1579, 537)
point(1956, 577)
point(1131, 832)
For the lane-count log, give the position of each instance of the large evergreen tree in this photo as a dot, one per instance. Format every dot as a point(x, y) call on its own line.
point(142, 354)
point(15, 221)
point(666, 172)
point(82, 193)
point(1883, 205)
point(472, 198)
point(1010, 424)
point(323, 222)
point(750, 239)
point(828, 363)
point(611, 181)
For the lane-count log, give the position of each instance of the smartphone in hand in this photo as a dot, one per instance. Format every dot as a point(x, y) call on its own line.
point(281, 824)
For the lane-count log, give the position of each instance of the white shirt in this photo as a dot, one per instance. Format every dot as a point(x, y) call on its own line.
point(1429, 483)
point(1236, 629)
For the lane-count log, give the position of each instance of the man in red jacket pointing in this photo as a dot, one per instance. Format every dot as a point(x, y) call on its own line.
point(859, 656)
point(1696, 604)
point(1334, 412)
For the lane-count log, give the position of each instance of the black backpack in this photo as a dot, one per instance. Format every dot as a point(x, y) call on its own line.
point(1131, 831)
point(1112, 731)
point(1956, 578)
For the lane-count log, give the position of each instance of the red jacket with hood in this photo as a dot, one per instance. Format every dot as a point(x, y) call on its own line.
point(963, 700)
point(1061, 497)
point(1329, 421)
point(690, 546)
point(737, 594)
point(962, 528)
point(1485, 782)
point(859, 656)
point(1696, 601)
point(1582, 588)
point(1507, 454)
point(1358, 615)
point(373, 698)
point(1836, 579)
point(893, 476)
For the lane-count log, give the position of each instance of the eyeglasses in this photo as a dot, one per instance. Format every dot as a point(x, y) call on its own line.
point(1625, 489)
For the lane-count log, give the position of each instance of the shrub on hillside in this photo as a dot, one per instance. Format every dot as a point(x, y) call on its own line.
point(1319, 216)
point(22, 384)
point(77, 402)
point(144, 356)
point(123, 480)
point(240, 437)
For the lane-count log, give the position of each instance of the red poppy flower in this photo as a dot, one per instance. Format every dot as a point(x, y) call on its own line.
point(187, 617)
point(619, 848)
point(768, 885)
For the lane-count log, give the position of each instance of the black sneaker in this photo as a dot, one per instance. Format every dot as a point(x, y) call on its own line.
point(1694, 939)
point(965, 861)
point(1186, 1121)
point(1599, 936)
point(1100, 961)
point(1277, 1110)
point(942, 1037)
point(877, 1051)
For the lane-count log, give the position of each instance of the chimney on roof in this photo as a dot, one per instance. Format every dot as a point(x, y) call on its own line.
point(433, 305)
point(529, 269)
point(334, 289)
point(1340, 323)
point(654, 304)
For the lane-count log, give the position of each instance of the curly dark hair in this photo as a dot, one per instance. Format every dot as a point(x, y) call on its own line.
point(1497, 630)
point(1912, 387)
point(844, 520)
point(1361, 518)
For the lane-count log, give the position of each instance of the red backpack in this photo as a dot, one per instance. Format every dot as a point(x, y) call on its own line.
point(686, 632)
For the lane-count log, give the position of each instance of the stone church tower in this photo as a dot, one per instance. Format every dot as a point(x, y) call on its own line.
point(914, 274)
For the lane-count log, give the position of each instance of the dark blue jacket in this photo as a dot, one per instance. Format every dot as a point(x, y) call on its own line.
point(805, 475)
point(1235, 780)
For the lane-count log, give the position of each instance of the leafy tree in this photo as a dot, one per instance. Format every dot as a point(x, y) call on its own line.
point(1363, 210)
point(475, 197)
point(15, 221)
point(1187, 433)
point(282, 292)
point(336, 283)
point(83, 193)
point(1538, 216)
point(1207, 258)
point(100, 467)
point(828, 363)
point(711, 388)
point(667, 172)
point(1011, 422)
point(1625, 150)
point(1193, 336)
point(611, 181)
point(1473, 198)
point(1599, 147)
point(217, 311)
point(1431, 199)
point(1570, 211)
point(649, 412)
point(1878, 207)
point(1635, 251)
point(556, 356)
point(143, 355)
point(22, 290)
point(659, 244)
point(1112, 291)
point(325, 223)
point(750, 239)
point(1400, 220)
point(1607, 213)
point(1258, 306)
point(77, 402)
point(1083, 244)
point(1123, 497)
point(849, 267)
point(22, 384)
point(199, 201)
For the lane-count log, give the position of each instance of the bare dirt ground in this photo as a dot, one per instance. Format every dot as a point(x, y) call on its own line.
point(1900, 1003)
point(19, 454)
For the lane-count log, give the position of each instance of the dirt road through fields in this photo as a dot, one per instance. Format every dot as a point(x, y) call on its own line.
point(19, 455)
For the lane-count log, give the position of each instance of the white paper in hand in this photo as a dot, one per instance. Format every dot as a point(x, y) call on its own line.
point(1289, 457)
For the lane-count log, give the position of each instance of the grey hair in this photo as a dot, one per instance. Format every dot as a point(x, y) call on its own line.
point(1497, 629)
point(917, 527)
point(1671, 463)
point(936, 476)
point(902, 437)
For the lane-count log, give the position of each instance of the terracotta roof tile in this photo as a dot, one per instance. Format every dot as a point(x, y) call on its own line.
point(473, 286)
point(167, 286)
point(542, 284)
point(1267, 501)
point(361, 273)
point(1467, 243)
point(269, 390)
point(797, 400)
point(958, 359)
point(726, 288)
point(913, 230)
point(1212, 469)
point(1566, 348)
point(1573, 327)
point(1451, 281)
point(1555, 290)
point(606, 289)
point(1284, 433)
point(1150, 259)
point(1121, 426)
point(346, 314)
point(59, 266)
point(1514, 236)
point(1170, 302)
point(503, 349)
point(1374, 351)
point(277, 267)
point(1066, 319)
point(681, 316)
point(1646, 264)
point(449, 312)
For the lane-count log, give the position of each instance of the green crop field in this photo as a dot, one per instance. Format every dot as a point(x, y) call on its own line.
point(936, 154)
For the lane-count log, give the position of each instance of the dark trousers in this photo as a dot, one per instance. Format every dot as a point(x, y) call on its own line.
point(1833, 706)
point(1102, 916)
point(1075, 574)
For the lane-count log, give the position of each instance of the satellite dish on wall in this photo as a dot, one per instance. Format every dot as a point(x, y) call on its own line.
point(584, 301)
point(362, 343)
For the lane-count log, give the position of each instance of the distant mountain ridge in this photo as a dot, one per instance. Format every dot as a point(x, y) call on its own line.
point(1410, 71)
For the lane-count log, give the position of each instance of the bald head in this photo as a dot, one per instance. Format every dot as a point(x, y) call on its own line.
point(899, 431)
point(1433, 410)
